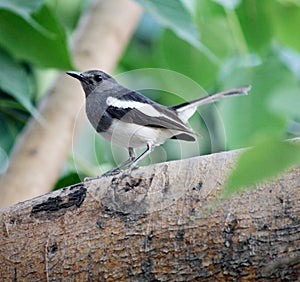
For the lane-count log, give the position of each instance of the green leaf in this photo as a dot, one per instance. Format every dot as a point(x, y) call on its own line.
point(253, 15)
point(179, 55)
point(12, 119)
point(287, 103)
point(21, 7)
point(24, 9)
point(186, 59)
point(252, 117)
point(285, 20)
point(266, 160)
point(68, 11)
point(26, 42)
point(228, 4)
point(174, 15)
point(191, 5)
point(15, 81)
point(67, 180)
point(263, 22)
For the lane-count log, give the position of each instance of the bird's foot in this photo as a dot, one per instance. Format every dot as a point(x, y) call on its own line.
point(106, 174)
point(112, 172)
point(90, 178)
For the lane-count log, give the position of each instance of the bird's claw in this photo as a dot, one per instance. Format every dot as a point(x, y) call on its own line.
point(90, 178)
point(112, 172)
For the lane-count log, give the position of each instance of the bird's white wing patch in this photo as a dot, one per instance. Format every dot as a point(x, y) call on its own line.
point(146, 109)
point(185, 113)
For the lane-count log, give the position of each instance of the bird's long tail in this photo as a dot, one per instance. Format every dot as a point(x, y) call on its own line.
point(187, 109)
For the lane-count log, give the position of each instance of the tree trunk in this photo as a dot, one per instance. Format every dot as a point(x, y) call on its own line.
point(102, 35)
point(164, 222)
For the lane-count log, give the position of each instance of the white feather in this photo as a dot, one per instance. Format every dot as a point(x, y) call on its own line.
point(185, 113)
point(123, 104)
point(132, 135)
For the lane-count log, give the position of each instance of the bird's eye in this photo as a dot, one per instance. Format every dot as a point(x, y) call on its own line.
point(98, 77)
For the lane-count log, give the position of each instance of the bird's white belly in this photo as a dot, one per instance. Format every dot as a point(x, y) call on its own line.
point(132, 135)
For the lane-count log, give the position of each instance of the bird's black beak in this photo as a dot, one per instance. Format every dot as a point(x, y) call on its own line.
point(75, 74)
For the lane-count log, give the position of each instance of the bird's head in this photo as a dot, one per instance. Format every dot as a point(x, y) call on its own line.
point(93, 80)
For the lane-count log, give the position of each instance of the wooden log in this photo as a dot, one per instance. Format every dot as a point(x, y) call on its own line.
point(165, 222)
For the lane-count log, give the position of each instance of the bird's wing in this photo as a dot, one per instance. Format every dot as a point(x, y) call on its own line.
point(143, 111)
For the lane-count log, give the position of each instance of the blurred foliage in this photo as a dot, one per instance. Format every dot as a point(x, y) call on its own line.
point(32, 33)
point(260, 162)
point(204, 44)
point(32, 38)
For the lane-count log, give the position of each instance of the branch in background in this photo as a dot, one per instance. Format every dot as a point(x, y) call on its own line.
point(41, 150)
point(160, 223)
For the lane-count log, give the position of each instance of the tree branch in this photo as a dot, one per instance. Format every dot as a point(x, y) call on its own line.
point(159, 223)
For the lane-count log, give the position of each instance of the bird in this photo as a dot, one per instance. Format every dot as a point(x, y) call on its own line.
point(129, 119)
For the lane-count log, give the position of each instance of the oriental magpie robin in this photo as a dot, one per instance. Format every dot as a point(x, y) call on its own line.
point(131, 120)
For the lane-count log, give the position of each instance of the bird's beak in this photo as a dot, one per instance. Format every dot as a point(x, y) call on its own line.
point(75, 74)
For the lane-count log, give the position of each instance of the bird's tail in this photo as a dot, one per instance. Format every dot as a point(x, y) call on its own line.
point(187, 109)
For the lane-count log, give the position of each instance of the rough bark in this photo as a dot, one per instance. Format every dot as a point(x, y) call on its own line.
point(160, 223)
point(102, 35)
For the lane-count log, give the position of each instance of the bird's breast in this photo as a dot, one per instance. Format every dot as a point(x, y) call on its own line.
point(132, 135)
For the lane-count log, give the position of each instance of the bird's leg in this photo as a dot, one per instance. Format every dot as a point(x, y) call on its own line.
point(116, 170)
point(132, 160)
point(149, 149)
